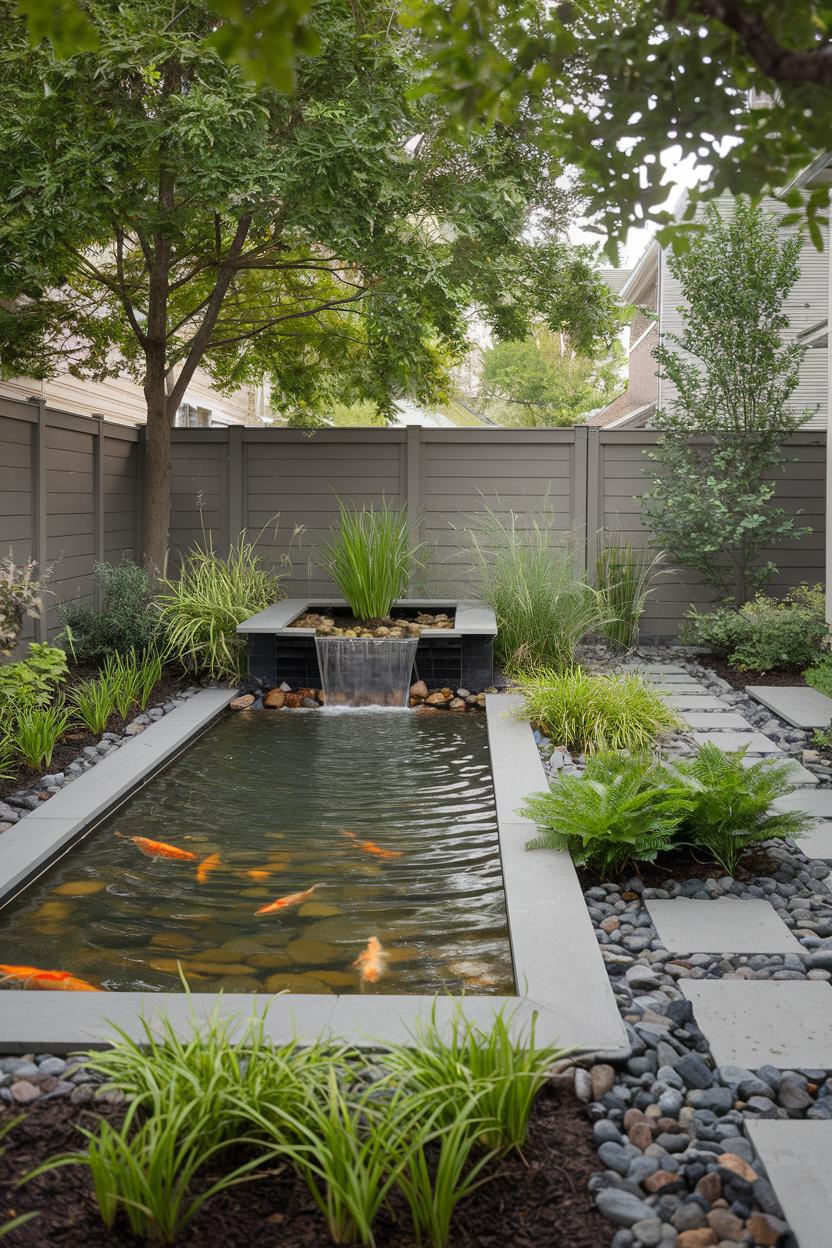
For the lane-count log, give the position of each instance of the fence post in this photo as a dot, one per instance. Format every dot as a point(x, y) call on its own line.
point(414, 499)
point(98, 499)
point(579, 495)
point(40, 507)
point(235, 518)
point(594, 499)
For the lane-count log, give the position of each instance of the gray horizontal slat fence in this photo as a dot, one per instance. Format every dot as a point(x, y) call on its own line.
point(68, 498)
point(617, 482)
point(70, 493)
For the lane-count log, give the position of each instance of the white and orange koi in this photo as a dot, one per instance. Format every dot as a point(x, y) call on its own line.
point(372, 961)
point(159, 849)
point(34, 977)
point(292, 899)
point(206, 866)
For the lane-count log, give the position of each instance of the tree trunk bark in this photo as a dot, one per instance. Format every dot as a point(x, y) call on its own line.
point(157, 469)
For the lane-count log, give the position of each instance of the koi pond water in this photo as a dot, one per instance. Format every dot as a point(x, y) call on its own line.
point(309, 851)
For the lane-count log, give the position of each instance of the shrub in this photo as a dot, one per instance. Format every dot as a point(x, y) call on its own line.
point(730, 803)
point(624, 574)
point(623, 809)
point(819, 675)
point(31, 682)
point(370, 559)
point(200, 611)
point(764, 633)
point(36, 732)
point(544, 609)
point(124, 621)
point(585, 712)
point(20, 595)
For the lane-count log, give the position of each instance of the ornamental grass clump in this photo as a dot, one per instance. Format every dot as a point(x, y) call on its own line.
point(623, 809)
point(543, 607)
point(585, 712)
point(624, 575)
point(370, 559)
point(199, 612)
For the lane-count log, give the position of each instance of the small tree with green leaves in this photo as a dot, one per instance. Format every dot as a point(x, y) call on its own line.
point(710, 498)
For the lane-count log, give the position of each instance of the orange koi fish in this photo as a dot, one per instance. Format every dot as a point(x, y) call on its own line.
point(158, 849)
point(258, 873)
point(208, 864)
point(372, 961)
point(346, 832)
point(293, 899)
point(33, 977)
point(370, 847)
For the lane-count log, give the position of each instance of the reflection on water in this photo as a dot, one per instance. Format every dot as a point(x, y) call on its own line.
point(382, 823)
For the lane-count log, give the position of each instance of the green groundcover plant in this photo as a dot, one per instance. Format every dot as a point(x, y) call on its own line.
point(764, 633)
point(630, 808)
point(585, 712)
point(32, 681)
point(224, 1105)
point(819, 675)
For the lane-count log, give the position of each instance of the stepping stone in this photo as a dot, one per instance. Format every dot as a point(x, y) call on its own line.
point(714, 722)
point(818, 803)
point(752, 1023)
point(674, 691)
point(796, 773)
point(800, 705)
point(754, 742)
point(667, 678)
point(797, 1157)
point(816, 842)
point(724, 925)
point(651, 669)
point(693, 702)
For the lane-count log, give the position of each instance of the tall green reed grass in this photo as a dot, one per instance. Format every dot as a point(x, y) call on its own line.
point(370, 558)
point(625, 576)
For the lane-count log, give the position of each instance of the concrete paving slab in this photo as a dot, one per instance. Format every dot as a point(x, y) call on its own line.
point(652, 669)
point(717, 721)
point(724, 925)
point(796, 773)
point(752, 1023)
point(674, 691)
point(694, 702)
point(800, 705)
point(818, 803)
point(754, 742)
point(816, 842)
point(667, 678)
point(797, 1157)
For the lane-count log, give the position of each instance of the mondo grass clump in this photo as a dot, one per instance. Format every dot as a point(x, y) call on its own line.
point(370, 558)
point(402, 1129)
point(585, 712)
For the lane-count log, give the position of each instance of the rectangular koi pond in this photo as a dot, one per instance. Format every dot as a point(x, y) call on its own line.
point(376, 829)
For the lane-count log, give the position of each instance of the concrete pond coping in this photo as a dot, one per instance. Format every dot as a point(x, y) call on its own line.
point(471, 618)
point(560, 975)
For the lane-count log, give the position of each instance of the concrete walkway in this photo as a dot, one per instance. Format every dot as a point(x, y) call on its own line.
point(752, 1024)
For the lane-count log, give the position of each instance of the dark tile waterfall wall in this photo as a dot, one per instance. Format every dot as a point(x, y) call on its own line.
point(70, 492)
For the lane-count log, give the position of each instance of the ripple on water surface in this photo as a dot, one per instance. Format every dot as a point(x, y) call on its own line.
point(384, 822)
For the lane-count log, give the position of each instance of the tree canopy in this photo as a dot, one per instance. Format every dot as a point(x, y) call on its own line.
point(160, 211)
point(541, 381)
point(620, 80)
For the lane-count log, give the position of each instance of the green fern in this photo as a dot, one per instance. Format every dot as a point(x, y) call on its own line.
point(624, 808)
point(729, 804)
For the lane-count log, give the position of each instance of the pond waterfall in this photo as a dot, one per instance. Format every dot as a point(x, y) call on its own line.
point(366, 671)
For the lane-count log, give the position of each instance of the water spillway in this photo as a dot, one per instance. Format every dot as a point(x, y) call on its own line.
point(366, 671)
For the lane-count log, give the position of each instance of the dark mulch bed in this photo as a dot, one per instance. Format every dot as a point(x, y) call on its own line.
point(777, 676)
point(542, 1202)
point(682, 866)
point(72, 743)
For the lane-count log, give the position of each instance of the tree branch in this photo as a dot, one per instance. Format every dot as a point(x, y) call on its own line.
point(782, 65)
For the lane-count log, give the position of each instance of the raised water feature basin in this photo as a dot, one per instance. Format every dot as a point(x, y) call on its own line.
point(461, 656)
point(381, 823)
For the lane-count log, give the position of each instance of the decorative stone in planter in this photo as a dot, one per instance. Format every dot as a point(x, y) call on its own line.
point(459, 654)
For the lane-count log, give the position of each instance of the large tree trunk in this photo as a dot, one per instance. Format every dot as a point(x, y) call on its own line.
point(156, 470)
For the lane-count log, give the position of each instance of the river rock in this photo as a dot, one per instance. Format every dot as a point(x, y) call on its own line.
point(315, 952)
point(242, 703)
point(419, 690)
point(289, 982)
point(275, 699)
point(622, 1208)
